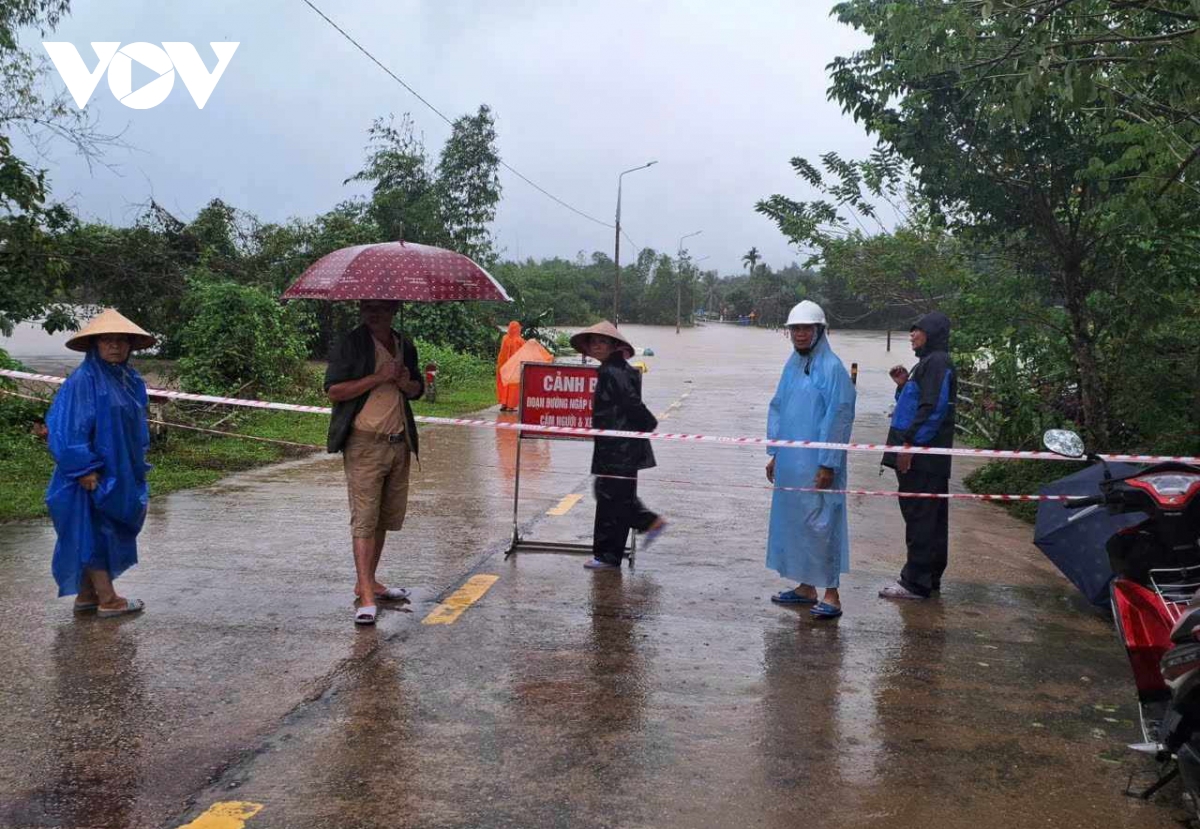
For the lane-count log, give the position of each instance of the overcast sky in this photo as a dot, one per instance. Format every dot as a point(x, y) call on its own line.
point(721, 95)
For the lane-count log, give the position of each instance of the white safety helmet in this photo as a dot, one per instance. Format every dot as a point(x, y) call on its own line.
point(806, 313)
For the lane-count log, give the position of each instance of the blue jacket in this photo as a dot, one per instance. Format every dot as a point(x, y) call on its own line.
point(924, 414)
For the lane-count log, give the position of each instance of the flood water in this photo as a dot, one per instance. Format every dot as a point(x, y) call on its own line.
point(673, 694)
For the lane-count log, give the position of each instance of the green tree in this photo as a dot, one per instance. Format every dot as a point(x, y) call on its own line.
point(139, 270)
point(710, 284)
point(751, 259)
point(31, 269)
point(468, 184)
point(239, 338)
point(30, 273)
point(740, 302)
point(658, 303)
point(1025, 145)
point(889, 275)
point(283, 252)
point(404, 195)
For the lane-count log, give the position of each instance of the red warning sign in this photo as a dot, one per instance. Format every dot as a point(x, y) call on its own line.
point(554, 394)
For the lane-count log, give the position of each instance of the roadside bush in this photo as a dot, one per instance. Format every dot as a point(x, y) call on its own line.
point(559, 342)
point(16, 414)
point(240, 337)
point(1018, 478)
point(455, 369)
point(463, 326)
point(8, 362)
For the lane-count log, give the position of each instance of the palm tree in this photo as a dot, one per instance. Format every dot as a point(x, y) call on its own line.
point(751, 259)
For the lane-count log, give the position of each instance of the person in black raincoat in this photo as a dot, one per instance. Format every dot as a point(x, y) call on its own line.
point(617, 404)
point(924, 416)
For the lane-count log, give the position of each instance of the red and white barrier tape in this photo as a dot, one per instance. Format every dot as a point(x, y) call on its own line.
point(947, 496)
point(718, 440)
point(649, 479)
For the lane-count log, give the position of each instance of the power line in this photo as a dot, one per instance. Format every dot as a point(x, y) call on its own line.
point(636, 246)
point(441, 115)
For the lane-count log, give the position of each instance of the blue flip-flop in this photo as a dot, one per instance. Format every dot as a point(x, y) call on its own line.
point(791, 597)
point(824, 610)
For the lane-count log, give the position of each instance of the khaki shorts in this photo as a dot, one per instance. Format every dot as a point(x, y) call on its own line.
point(377, 481)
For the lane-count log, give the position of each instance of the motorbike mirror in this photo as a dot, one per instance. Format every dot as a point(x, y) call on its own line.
point(1063, 442)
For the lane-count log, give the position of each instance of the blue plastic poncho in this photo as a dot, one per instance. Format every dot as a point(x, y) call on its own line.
point(97, 424)
point(808, 540)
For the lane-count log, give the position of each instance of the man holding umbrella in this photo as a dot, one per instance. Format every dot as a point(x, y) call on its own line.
point(371, 378)
point(373, 375)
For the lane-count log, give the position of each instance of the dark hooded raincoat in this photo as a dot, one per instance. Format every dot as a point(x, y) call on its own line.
point(924, 414)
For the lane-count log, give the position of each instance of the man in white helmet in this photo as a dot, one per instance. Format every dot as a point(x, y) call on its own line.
point(809, 540)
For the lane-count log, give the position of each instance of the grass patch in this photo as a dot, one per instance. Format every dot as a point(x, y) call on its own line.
point(24, 471)
point(454, 402)
point(181, 462)
point(1016, 478)
point(190, 459)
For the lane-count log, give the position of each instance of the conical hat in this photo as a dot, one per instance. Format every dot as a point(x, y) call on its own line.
point(111, 321)
point(606, 329)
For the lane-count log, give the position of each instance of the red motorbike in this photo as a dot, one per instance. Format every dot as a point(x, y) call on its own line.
point(1156, 574)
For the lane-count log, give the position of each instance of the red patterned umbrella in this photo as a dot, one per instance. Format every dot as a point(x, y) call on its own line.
point(396, 270)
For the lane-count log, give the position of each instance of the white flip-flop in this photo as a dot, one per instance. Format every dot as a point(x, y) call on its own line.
point(131, 606)
point(365, 615)
point(392, 594)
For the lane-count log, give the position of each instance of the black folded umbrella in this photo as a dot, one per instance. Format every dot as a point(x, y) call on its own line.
point(1074, 539)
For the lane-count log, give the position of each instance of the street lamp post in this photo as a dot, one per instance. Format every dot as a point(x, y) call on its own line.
point(679, 280)
point(617, 246)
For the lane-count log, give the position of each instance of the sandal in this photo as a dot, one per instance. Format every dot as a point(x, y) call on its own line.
point(792, 597)
point(598, 564)
point(365, 615)
point(824, 610)
point(899, 591)
point(393, 594)
point(131, 606)
point(651, 535)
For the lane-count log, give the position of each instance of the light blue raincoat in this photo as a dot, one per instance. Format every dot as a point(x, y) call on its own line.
point(97, 424)
point(809, 541)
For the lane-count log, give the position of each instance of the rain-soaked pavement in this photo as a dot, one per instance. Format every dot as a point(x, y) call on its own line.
point(670, 695)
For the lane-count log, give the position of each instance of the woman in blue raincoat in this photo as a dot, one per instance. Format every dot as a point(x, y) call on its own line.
point(98, 494)
point(809, 541)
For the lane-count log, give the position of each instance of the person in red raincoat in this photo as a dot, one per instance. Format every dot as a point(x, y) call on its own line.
point(508, 395)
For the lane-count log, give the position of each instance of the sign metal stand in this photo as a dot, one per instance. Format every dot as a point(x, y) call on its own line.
point(554, 394)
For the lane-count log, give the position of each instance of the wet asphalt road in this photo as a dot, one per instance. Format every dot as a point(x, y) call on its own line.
point(670, 695)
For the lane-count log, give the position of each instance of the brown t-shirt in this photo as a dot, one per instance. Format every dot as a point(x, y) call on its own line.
point(383, 413)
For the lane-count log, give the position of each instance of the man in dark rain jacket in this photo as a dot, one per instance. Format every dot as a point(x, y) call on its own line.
point(617, 404)
point(924, 416)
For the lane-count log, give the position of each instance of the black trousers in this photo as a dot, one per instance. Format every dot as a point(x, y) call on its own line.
point(926, 532)
point(618, 510)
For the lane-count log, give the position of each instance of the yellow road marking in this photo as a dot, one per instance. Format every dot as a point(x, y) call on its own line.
point(230, 814)
point(666, 413)
point(564, 506)
point(456, 603)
